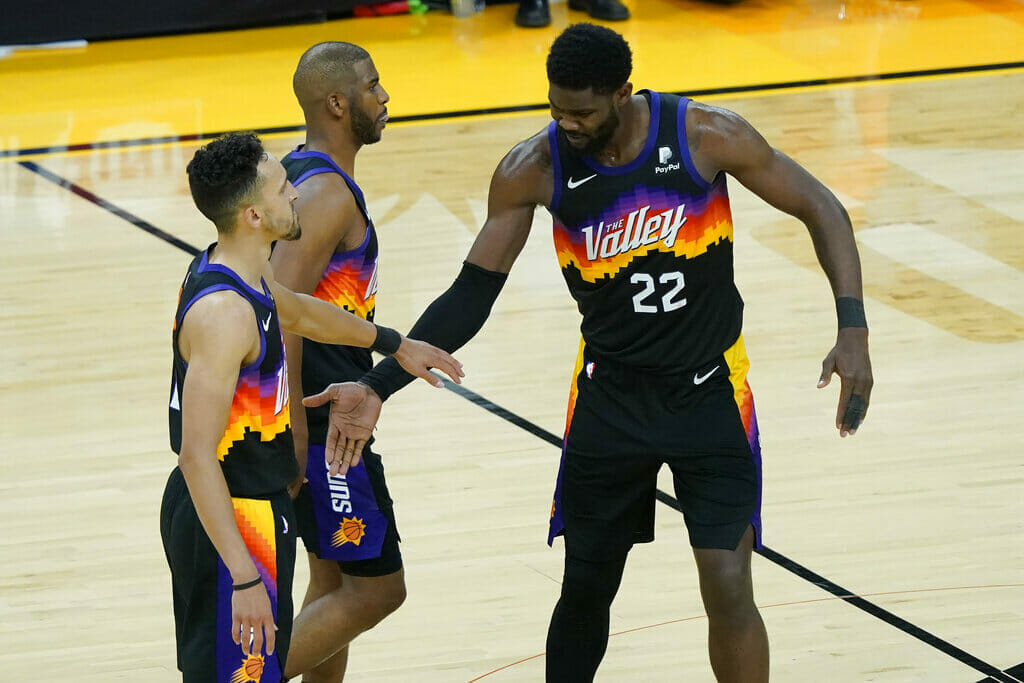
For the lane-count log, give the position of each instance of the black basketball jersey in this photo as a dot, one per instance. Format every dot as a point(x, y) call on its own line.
point(350, 282)
point(646, 248)
point(256, 452)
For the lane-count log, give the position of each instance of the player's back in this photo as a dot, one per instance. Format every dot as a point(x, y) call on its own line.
point(646, 248)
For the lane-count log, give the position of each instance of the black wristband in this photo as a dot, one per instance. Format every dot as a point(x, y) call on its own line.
point(850, 312)
point(387, 341)
point(247, 584)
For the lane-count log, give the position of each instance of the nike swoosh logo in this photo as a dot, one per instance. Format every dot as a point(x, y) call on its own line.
point(266, 323)
point(573, 184)
point(700, 379)
point(285, 521)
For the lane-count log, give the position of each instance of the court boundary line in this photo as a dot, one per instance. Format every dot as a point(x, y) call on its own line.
point(773, 556)
point(514, 109)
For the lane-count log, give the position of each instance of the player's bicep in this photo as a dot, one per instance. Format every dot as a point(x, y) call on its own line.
point(221, 335)
point(512, 199)
point(741, 151)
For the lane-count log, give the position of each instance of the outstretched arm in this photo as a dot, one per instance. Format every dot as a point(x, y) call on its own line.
point(722, 141)
point(318, 320)
point(521, 181)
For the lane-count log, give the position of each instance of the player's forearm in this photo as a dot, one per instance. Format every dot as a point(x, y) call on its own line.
point(449, 322)
point(213, 506)
point(323, 322)
point(836, 248)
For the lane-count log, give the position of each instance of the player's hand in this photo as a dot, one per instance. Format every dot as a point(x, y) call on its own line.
point(417, 358)
point(354, 412)
point(252, 620)
point(849, 359)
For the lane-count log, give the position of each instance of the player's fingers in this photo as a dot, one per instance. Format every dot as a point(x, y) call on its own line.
point(358, 455)
point(236, 627)
point(854, 413)
point(425, 373)
point(450, 367)
point(319, 399)
point(827, 368)
point(270, 631)
point(257, 639)
point(844, 400)
point(331, 446)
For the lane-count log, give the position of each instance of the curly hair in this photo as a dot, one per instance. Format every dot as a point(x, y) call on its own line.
point(223, 174)
point(588, 56)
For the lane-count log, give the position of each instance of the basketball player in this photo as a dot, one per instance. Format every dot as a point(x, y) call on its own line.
point(346, 521)
point(636, 185)
point(226, 520)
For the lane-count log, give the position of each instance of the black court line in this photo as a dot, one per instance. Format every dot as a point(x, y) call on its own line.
point(993, 673)
point(440, 116)
point(104, 204)
point(1017, 671)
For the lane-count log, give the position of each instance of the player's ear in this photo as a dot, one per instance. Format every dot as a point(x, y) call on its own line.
point(337, 105)
point(252, 216)
point(624, 92)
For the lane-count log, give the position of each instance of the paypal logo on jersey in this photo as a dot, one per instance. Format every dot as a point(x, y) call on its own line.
point(636, 230)
point(664, 157)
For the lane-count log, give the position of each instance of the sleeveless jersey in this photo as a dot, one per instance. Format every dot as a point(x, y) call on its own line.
point(646, 249)
point(256, 451)
point(350, 282)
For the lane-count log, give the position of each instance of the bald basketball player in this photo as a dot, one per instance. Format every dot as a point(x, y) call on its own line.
point(346, 520)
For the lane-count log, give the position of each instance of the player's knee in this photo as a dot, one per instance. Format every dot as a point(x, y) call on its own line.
point(727, 592)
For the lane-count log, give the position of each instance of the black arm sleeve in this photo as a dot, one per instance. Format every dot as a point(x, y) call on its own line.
point(448, 323)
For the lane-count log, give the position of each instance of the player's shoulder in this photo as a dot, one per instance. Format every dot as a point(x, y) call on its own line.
point(224, 318)
point(530, 158)
point(717, 122)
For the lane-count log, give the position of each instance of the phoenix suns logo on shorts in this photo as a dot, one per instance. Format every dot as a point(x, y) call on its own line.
point(251, 670)
point(351, 530)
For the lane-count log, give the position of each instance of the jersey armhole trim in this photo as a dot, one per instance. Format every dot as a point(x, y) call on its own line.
point(684, 147)
point(223, 287)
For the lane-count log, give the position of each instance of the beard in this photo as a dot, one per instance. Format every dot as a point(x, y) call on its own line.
point(596, 141)
point(364, 129)
point(294, 231)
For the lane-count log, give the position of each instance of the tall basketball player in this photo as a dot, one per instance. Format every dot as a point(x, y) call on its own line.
point(346, 520)
point(226, 520)
point(636, 185)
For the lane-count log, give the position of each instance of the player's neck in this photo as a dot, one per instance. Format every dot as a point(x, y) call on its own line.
point(341, 150)
point(244, 254)
point(630, 135)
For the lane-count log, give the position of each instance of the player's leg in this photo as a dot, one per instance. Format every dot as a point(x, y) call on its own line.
point(607, 504)
point(362, 593)
point(356, 576)
point(737, 640)
point(578, 634)
point(324, 577)
point(326, 626)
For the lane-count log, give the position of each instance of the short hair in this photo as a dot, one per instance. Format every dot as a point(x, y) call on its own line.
point(224, 174)
point(325, 67)
point(588, 56)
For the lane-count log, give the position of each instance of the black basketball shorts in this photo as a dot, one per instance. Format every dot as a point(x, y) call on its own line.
point(623, 425)
point(202, 585)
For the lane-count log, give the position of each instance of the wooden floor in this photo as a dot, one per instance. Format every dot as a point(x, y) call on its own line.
point(921, 513)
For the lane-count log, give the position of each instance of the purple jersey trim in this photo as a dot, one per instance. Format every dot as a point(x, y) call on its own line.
point(684, 148)
point(296, 154)
point(652, 138)
point(308, 174)
point(259, 328)
point(205, 266)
